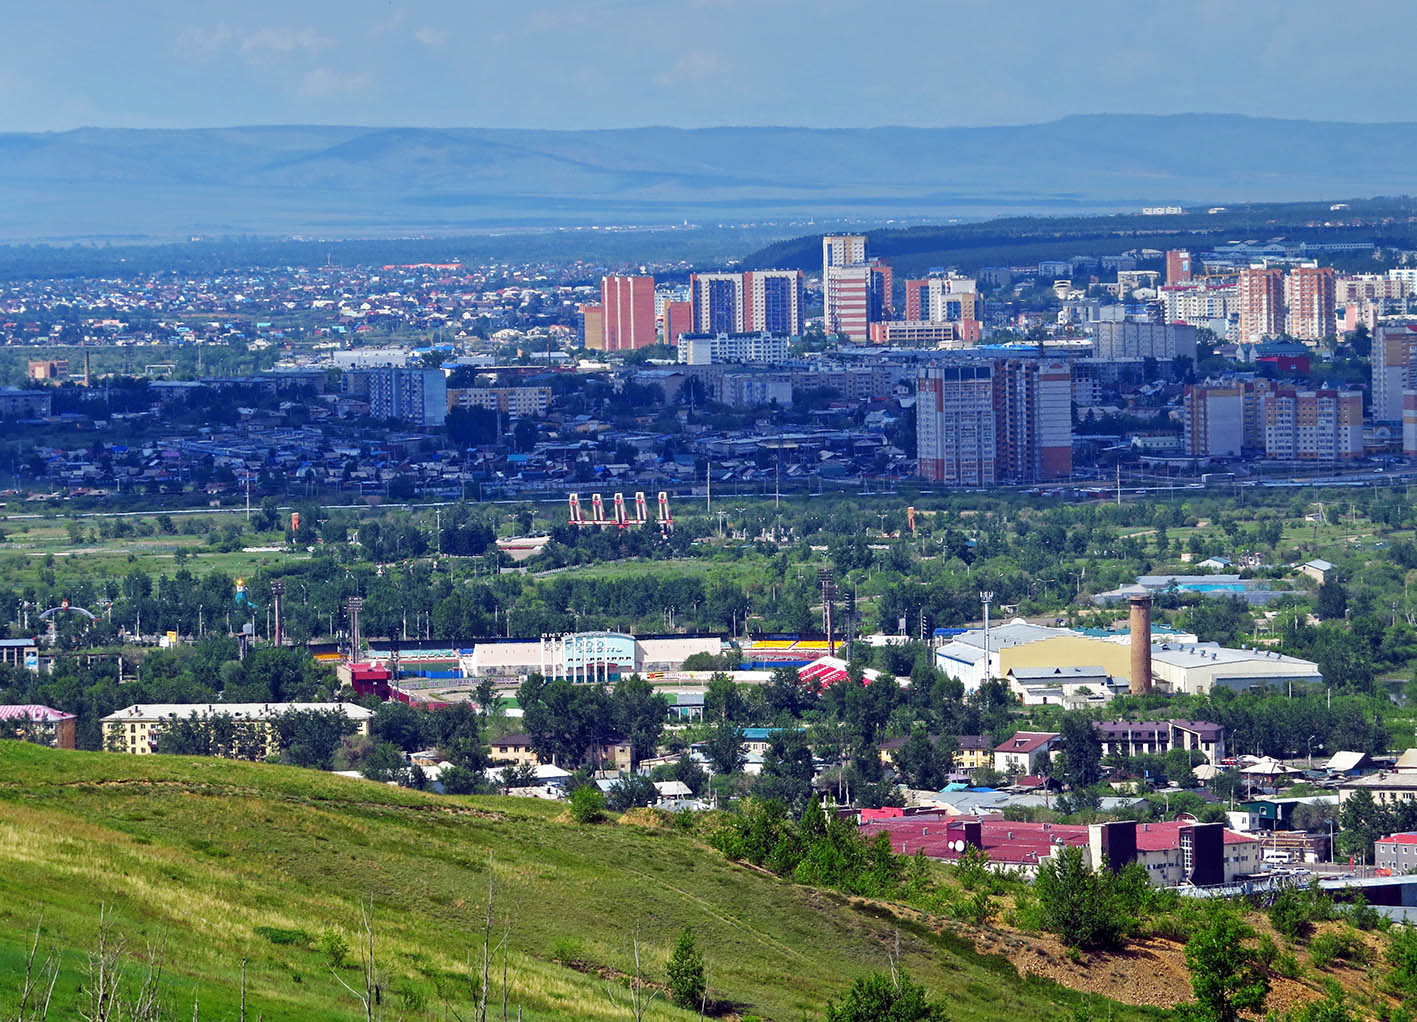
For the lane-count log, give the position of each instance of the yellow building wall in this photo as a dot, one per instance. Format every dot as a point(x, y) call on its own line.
point(1069, 651)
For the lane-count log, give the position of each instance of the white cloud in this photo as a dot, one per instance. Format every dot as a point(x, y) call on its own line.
point(694, 67)
point(199, 41)
point(431, 36)
point(253, 46)
point(283, 41)
point(324, 83)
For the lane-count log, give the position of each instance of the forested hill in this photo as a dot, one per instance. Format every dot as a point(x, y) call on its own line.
point(333, 181)
point(1024, 240)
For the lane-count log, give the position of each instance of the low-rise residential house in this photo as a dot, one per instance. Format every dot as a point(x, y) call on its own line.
point(1396, 852)
point(1318, 569)
point(42, 725)
point(1027, 752)
point(1388, 788)
point(514, 748)
point(973, 752)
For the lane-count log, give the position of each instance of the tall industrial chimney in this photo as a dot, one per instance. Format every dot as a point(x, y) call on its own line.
point(1141, 644)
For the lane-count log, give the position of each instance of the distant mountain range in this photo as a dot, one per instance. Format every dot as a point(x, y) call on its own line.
point(96, 183)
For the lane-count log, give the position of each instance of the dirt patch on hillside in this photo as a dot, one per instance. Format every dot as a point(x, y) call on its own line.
point(1153, 971)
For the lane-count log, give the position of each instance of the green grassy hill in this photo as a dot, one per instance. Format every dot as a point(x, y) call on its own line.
point(210, 860)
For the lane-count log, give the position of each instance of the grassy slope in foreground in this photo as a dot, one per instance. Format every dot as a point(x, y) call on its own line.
point(195, 853)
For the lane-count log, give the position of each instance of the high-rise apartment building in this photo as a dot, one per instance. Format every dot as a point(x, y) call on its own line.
point(842, 250)
point(628, 304)
point(416, 396)
point(1309, 295)
point(751, 302)
point(678, 320)
point(881, 300)
point(847, 283)
point(917, 299)
point(1409, 423)
point(1178, 267)
point(1313, 425)
point(593, 325)
point(1001, 421)
point(1213, 420)
point(775, 301)
point(847, 300)
point(1261, 295)
point(1033, 420)
point(954, 424)
point(1394, 368)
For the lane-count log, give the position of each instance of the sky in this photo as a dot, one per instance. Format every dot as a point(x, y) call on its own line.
point(692, 63)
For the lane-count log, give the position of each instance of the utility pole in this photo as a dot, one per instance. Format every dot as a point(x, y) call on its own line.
point(986, 597)
point(1119, 484)
point(828, 592)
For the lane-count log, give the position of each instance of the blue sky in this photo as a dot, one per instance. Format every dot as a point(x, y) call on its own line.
point(693, 63)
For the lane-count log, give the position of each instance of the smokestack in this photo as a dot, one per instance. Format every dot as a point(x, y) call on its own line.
point(1141, 644)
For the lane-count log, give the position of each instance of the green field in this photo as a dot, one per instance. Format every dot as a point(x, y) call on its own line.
point(193, 855)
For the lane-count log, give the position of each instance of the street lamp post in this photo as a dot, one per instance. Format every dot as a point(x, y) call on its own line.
point(986, 597)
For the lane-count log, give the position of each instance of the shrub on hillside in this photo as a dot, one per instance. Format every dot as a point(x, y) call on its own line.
point(1089, 908)
point(587, 804)
point(880, 998)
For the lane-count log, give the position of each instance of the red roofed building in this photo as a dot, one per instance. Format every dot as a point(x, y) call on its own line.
point(42, 725)
point(1179, 852)
point(1027, 752)
point(1397, 852)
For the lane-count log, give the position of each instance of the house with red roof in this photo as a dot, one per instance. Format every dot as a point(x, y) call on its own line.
point(1397, 852)
point(1027, 752)
point(42, 725)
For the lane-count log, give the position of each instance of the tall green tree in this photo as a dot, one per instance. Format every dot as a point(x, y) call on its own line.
point(638, 712)
point(686, 972)
point(723, 747)
point(787, 771)
point(1082, 751)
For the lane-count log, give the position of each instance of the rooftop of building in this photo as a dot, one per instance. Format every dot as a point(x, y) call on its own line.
point(34, 712)
point(1026, 741)
point(250, 711)
point(1120, 728)
point(1384, 779)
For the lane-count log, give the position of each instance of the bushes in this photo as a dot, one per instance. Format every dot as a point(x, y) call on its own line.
point(1296, 909)
point(1338, 945)
point(587, 804)
point(817, 850)
point(879, 998)
point(1402, 956)
point(1087, 908)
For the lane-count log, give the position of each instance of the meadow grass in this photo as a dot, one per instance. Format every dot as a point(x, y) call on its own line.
point(206, 859)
